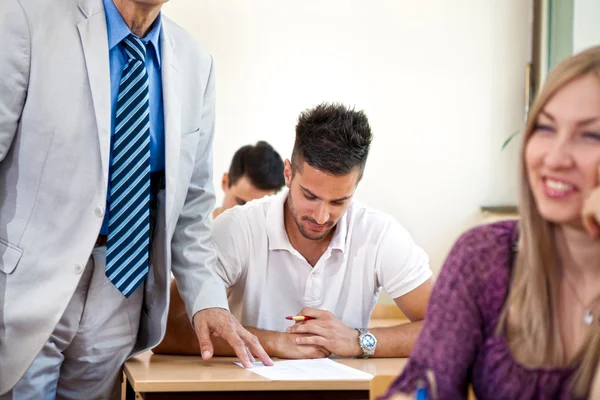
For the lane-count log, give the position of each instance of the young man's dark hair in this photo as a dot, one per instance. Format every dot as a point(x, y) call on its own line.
point(332, 138)
point(260, 163)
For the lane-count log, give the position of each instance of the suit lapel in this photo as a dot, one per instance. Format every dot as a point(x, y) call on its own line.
point(172, 118)
point(94, 39)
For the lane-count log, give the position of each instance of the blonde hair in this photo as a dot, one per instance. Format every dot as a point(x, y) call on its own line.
point(528, 319)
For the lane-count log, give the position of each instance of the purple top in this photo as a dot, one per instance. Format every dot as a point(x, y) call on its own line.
point(458, 341)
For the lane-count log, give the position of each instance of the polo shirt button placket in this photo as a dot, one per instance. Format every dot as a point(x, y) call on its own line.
point(314, 285)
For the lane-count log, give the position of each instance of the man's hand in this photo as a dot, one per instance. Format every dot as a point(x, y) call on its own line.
point(221, 323)
point(287, 347)
point(327, 331)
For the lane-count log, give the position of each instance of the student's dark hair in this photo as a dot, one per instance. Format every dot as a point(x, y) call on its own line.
point(260, 163)
point(332, 138)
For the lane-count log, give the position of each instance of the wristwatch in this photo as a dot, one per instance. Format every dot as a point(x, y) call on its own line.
point(367, 342)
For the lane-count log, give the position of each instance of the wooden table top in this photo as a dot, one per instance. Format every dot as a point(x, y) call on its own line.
point(149, 372)
point(385, 322)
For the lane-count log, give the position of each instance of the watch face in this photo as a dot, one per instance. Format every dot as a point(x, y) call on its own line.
point(368, 341)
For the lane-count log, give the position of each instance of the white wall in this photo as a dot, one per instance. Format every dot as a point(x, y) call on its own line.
point(586, 24)
point(441, 81)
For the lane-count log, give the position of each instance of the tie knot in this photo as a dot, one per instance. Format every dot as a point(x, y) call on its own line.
point(133, 46)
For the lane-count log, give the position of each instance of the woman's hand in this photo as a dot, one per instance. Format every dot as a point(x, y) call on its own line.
point(591, 213)
point(401, 396)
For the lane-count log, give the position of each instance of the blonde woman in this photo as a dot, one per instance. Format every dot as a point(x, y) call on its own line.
point(515, 312)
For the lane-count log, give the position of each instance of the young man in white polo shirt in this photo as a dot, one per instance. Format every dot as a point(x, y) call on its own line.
point(313, 251)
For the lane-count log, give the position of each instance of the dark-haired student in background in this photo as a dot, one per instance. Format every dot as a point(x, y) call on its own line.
point(255, 172)
point(313, 251)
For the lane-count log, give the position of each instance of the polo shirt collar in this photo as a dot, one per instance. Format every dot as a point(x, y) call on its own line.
point(278, 237)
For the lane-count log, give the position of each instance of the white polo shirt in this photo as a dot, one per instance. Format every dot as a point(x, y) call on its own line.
point(268, 279)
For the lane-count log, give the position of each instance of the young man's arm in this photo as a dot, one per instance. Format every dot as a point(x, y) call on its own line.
point(402, 268)
point(328, 331)
point(278, 344)
point(398, 341)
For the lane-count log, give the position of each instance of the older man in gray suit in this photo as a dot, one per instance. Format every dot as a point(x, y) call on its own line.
point(106, 129)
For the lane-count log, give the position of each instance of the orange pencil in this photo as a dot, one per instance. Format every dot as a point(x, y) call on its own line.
point(299, 318)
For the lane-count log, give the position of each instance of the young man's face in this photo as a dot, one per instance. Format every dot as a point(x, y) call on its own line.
point(240, 192)
point(317, 200)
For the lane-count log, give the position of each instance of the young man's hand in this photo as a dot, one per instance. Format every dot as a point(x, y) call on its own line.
point(287, 347)
point(327, 331)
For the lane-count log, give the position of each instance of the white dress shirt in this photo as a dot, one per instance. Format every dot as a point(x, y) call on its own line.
point(268, 279)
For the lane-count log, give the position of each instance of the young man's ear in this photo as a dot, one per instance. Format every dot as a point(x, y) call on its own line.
point(225, 182)
point(287, 172)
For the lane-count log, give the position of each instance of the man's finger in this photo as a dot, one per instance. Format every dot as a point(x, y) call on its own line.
point(315, 329)
point(312, 340)
point(324, 350)
point(295, 323)
point(206, 347)
point(323, 353)
point(255, 347)
point(238, 346)
point(314, 313)
point(316, 352)
point(250, 356)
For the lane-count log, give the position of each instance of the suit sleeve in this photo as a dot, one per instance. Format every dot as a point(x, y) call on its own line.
point(193, 254)
point(14, 70)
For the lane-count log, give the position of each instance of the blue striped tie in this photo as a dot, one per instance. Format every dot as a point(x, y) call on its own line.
point(129, 212)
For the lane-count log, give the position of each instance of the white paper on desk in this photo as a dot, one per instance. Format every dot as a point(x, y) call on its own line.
point(300, 370)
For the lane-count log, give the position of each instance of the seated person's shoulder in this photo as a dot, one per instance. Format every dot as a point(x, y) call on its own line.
point(367, 218)
point(381, 228)
point(488, 238)
point(484, 251)
point(401, 265)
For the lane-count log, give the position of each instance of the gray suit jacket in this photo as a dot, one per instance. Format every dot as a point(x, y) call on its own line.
point(55, 115)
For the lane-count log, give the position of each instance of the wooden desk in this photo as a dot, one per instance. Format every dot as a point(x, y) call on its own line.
point(151, 376)
point(385, 322)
